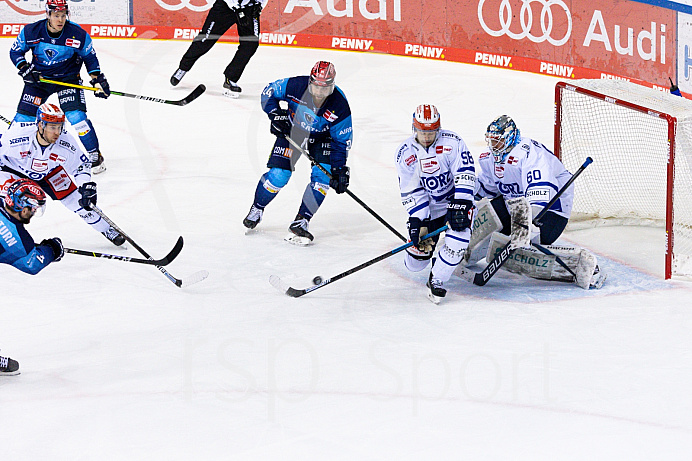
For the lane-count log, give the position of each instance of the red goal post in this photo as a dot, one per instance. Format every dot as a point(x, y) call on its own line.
point(641, 143)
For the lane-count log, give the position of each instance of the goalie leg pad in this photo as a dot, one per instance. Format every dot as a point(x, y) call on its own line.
point(485, 223)
point(520, 211)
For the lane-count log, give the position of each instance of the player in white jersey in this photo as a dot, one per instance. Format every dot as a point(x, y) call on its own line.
point(46, 153)
point(436, 179)
point(518, 166)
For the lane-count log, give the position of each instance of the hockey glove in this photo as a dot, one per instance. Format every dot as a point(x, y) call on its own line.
point(417, 228)
point(340, 178)
point(29, 74)
point(99, 81)
point(88, 191)
point(281, 125)
point(55, 244)
point(459, 214)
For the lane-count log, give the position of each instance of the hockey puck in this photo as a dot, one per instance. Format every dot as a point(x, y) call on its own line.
point(317, 280)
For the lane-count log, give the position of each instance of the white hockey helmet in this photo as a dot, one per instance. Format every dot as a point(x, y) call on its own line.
point(426, 124)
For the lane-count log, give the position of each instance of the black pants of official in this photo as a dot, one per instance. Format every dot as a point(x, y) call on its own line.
point(218, 21)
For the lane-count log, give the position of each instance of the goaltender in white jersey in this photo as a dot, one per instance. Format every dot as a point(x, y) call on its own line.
point(49, 155)
point(519, 167)
point(437, 179)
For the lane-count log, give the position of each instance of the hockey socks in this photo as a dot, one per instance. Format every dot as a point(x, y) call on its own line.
point(313, 197)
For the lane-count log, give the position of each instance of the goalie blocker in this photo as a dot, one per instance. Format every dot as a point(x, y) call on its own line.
point(487, 240)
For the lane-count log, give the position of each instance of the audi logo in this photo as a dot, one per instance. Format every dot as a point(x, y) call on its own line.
point(180, 4)
point(526, 21)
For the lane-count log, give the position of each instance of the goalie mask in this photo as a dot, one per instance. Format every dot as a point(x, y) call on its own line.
point(426, 124)
point(501, 136)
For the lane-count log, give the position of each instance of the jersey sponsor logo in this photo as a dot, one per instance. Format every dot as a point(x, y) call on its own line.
point(429, 165)
point(57, 158)
point(352, 43)
point(465, 179)
point(408, 202)
point(555, 16)
point(410, 160)
point(73, 43)
point(67, 145)
point(346, 131)
point(443, 149)
point(511, 189)
point(19, 140)
point(7, 235)
point(330, 116)
point(499, 171)
point(321, 188)
point(493, 59)
point(35, 100)
point(424, 51)
point(538, 194)
point(283, 151)
point(433, 183)
point(512, 160)
point(484, 155)
point(60, 182)
point(39, 165)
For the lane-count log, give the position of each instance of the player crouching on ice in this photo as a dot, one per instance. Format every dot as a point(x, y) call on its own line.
point(521, 176)
point(46, 153)
point(436, 179)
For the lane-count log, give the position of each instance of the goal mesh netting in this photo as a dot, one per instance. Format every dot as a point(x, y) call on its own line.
point(641, 143)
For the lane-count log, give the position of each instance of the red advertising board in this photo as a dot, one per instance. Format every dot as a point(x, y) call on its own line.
point(567, 38)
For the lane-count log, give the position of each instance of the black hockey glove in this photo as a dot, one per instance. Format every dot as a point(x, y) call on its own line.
point(340, 178)
point(459, 214)
point(88, 191)
point(281, 125)
point(29, 74)
point(100, 82)
point(416, 229)
point(55, 244)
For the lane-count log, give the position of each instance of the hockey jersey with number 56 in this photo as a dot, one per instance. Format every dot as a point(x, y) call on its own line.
point(429, 178)
point(530, 170)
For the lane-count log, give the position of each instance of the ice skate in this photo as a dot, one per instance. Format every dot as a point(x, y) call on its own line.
point(8, 367)
point(299, 232)
point(98, 165)
point(177, 76)
point(253, 218)
point(436, 292)
point(231, 89)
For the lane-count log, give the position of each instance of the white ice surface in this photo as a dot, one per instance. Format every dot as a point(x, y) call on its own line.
point(118, 363)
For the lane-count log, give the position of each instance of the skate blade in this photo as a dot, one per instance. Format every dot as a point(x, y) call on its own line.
point(434, 299)
point(10, 373)
point(231, 94)
point(98, 169)
point(297, 240)
point(597, 283)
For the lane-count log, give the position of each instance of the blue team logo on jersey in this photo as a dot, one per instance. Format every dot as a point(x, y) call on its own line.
point(51, 53)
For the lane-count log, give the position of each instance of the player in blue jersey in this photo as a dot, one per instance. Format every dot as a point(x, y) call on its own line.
point(24, 200)
point(319, 119)
point(59, 47)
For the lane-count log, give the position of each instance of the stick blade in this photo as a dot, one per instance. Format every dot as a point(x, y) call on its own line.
point(194, 278)
point(196, 93)
point(277, 283)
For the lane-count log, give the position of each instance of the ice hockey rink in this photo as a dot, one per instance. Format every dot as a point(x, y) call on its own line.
point(118, 363)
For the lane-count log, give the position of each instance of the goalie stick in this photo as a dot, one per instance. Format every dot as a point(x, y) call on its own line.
point(187, 281)
point(277, 283)
point(350, 194)
point(156, 262)
point(196, 93)
point(482, 277)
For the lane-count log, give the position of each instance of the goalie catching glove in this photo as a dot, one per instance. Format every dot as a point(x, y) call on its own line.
point(459, 214)
point(416, 228)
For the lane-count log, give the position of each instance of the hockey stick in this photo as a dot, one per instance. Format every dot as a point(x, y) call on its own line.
point(296, 293)
point(194, 278)
point(482, 277)
point(156, 262)
point(186, 100)
point(9, 122)
point(350, 194)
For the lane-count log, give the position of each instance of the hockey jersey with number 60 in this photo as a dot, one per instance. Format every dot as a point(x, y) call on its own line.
point(531, 170)
point(429, 178)
point(20, 152)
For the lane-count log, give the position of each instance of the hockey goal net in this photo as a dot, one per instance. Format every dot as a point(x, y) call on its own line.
point(641, 143)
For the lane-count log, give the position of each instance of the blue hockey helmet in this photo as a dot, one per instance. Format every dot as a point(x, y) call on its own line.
point(501, 136)
point(25, 193)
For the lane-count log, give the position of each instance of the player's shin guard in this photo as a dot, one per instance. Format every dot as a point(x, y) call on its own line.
point(85, 130)
point(313, 197)
point(450, 254)
point(269, 186)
